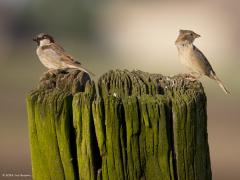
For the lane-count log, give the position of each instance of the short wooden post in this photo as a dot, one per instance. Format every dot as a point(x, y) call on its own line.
point(141, 126)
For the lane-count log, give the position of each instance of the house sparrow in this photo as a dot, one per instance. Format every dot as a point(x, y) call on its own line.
point(193, 58)
point(54, 56)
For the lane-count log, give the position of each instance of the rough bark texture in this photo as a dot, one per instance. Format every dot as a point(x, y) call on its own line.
point(141, 126)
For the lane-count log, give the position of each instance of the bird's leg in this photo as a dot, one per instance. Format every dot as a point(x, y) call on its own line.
point(47, 74)
point(196, 75)
point(51, 72)
point(193, 76)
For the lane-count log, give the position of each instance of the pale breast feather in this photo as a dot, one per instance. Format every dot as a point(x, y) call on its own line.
point(49, 58)
point(184, 52)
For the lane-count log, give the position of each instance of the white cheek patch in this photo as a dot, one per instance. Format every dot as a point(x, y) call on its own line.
point(44, 42)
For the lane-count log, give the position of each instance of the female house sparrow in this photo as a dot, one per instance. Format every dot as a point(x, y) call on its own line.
point(54, 56)
point(193, 58)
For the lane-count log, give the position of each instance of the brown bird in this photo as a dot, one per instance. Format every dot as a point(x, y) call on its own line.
point(194, 59)
point(54, 56)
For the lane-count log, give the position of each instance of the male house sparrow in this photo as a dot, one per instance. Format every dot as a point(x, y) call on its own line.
point(193, 58)
point(54, 56)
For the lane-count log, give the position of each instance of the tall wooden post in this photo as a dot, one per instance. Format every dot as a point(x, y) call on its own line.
point(141, 126)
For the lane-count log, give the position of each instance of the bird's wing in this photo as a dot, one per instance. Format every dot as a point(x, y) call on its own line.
point(65, 57)
point(200, 62)
point(59, 51)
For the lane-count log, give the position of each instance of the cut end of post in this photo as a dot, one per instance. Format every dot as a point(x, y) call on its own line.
point(126, 83)
point(69, 80)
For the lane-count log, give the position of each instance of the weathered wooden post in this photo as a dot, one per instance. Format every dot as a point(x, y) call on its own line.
point(141, 126)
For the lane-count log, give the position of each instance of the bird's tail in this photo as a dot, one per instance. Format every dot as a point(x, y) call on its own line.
point(214, 77)
point(83, 68)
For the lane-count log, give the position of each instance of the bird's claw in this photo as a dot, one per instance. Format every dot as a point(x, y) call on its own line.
point(191, 78)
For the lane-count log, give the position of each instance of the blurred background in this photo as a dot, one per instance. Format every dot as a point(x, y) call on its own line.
point(118, 35)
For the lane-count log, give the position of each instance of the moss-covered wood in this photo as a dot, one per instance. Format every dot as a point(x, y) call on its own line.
point(141, 126)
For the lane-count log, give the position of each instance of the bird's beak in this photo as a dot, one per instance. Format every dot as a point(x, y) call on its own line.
point(35, 39)
point(197, 36)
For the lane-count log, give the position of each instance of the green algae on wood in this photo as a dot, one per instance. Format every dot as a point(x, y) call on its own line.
point(141, 126)
point(85, 135)
point(50, 135)
point(51, 126)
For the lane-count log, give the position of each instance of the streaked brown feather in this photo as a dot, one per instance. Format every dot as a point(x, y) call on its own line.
point(64, 56)
point(200, 61)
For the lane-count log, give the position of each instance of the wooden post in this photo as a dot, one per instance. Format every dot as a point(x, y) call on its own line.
point(141, 126)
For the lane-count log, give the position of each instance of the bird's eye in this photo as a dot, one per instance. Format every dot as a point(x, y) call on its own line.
point(191, 34)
